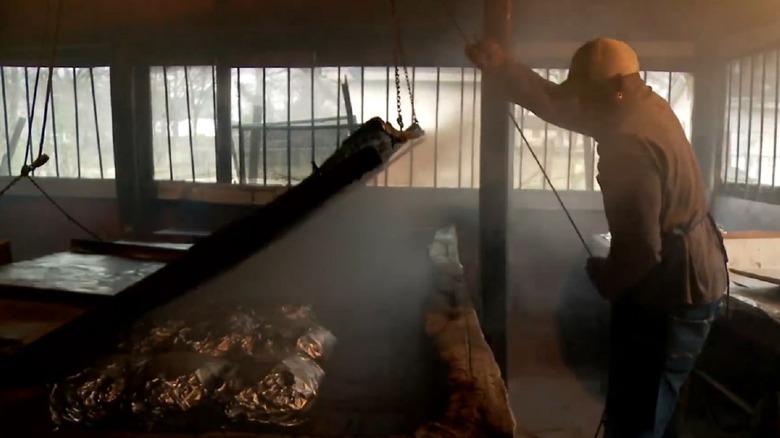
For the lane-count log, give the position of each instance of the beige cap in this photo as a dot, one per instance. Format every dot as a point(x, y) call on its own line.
point(602, 59)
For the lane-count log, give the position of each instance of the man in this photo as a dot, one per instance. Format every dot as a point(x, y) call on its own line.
point(665, 273)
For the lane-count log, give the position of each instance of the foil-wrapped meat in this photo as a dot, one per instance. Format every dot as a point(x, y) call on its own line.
point(94, 396)
point(317, 343)
point(281, 397)
point(176, 387)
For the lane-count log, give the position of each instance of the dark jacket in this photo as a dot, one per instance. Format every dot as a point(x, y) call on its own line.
point(654, 195)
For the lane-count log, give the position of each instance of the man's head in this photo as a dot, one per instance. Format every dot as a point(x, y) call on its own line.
point(597, 70)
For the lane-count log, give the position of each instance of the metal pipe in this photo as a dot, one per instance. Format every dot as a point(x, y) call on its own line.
point(189, 120)
point(54, 129)
point(97, 127)
point(460, 128)
point(76, 114)
point(168, 122)
point(5, 120)
point(289, 132)
point(436, 131)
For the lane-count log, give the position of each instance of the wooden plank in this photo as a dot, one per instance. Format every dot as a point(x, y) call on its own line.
point(65, 351)
point(770, 275)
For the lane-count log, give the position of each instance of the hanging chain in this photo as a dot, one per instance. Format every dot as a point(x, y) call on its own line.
point(399, 56)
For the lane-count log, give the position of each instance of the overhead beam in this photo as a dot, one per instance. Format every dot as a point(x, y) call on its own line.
point(495, 181)
point(737, 44)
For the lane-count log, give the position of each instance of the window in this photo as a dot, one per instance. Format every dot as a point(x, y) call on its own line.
point(570, 159)
point(78, 136)
point(184, 123)
point(750, 149)
point(283, 119)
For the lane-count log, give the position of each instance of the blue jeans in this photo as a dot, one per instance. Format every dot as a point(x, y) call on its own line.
point(652, 352)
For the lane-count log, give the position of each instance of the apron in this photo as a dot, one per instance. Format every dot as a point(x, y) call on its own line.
point(640, 335)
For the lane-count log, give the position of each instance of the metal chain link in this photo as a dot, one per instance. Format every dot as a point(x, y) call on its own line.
point(398, 53)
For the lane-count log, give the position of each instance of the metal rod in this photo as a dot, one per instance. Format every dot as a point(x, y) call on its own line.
point(750, 123)
point(411, 151)
point(777, 105)
point(522, 149)
point(54, 131)
point(729, 90)
point(726, 392)
point(5, 120)
point(761, 125)
point(214, 113)
point(387, 115)
point(241, 157)
point(546, 131)
point(473, 127)
point(265, 131)
point(76, 113)
point(338, 107)
point(460, 128)
point(168, 122)
point(289, 132)
point(30, 113)
point(189, 120)
point(739, 122)
point(669, 89)
point(97, 127)
point(313, 136)
point(436, 130)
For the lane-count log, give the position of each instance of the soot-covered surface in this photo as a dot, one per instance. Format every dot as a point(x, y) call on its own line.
point(366, 274)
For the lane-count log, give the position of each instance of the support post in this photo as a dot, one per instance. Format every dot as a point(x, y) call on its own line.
point(495, 184)
point(707, 120)
point(132, 130)
point(224, 130)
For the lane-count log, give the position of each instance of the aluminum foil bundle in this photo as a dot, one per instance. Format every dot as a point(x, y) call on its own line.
point(93, 396)
point(282, 397)
point(176, 387)
point(317, 343)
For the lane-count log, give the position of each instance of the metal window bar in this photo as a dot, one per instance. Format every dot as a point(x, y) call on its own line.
point(387, 117)
point(214, 112)
point(739, 121)
point(761, 124)
point(241, 158)
point(669, 89)
point(95, 113)
point(5, 121)
point(265, 131)
point(546, 133)
point(54, 131)
point(338, 107)
point(460, 130)
point(750, 124)
point(777, 105)
point(473, 127)
point(313, 136)
point(436, 130)
point(30, 115)
point(727, 151)
point(168, 121)
point(76, 112)
point(289, 131)
point(189, 120)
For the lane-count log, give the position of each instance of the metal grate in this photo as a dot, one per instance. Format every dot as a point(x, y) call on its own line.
point(751, 123)
point(78, 135)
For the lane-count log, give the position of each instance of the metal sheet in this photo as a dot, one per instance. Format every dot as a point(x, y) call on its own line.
point(84, 273)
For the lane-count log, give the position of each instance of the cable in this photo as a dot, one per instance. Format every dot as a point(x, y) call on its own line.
point(62, 210)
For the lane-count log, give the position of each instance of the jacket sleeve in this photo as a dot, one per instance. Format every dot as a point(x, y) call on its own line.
point(542, 97)
point(632, 192)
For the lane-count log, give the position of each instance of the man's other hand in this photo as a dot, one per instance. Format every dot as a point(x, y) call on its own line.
point(486, 55)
